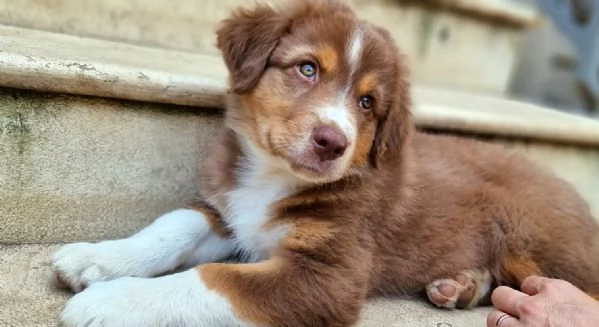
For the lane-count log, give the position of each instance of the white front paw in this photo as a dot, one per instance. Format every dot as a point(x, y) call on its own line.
point(78, 265)
point(174, 300)
point(117, 303)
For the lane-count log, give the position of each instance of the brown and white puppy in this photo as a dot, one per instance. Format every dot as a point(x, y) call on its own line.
point(321, 185)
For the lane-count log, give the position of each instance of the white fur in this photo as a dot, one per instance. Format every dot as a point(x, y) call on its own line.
point(179, 238)
point(180, 299)
point(263, 180)
point(182, 237)
point(484, 287)
point(354, 53)
point(340, 116)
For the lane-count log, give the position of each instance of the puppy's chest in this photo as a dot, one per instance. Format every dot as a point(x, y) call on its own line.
point(249, 209)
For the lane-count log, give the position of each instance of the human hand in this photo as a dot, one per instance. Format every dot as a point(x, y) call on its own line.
point(543, 302)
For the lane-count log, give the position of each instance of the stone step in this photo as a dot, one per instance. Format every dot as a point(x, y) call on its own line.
point(188, 24)
point(28, 297)
point(470, 44)
point(99, 138)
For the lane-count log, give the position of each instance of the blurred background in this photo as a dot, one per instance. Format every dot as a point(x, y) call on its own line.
point(540, 51)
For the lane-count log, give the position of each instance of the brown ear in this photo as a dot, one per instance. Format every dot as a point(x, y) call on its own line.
point(395, 127)
point(246, 40)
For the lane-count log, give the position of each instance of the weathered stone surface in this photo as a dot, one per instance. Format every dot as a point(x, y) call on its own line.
point(443, 47)
point(43, 61)
point(74, 168)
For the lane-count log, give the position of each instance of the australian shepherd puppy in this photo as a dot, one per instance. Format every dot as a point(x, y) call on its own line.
point(325, 194)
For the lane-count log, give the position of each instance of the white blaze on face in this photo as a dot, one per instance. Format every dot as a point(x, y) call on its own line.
point(354, 50)
point(338, 115)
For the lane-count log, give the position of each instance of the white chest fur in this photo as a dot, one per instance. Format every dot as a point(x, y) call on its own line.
point(261, 183)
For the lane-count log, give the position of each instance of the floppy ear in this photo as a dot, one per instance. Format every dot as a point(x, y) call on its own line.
point(395, 127)
point(246, 40)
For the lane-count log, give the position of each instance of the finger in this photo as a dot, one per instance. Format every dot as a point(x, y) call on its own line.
point(494, 319)
point(532, 285)
point(505, 299)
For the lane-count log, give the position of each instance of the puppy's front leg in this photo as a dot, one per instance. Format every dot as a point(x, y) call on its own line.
point(183, 237)
point(288, 290)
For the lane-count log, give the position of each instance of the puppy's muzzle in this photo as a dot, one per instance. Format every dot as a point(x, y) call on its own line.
point(328, 143)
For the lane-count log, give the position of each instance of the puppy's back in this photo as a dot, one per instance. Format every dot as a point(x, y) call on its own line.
point(542, 221)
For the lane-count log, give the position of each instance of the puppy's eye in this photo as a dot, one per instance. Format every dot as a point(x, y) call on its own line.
point(366, 102)
point(308, 70)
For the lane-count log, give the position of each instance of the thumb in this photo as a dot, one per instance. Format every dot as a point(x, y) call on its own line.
point(532, 285)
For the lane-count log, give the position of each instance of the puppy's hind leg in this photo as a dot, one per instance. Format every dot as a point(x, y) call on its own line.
point(515, 269)
point(184, 237)
point(466, 290)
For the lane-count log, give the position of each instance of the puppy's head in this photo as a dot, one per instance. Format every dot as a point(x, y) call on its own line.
point(316, 87)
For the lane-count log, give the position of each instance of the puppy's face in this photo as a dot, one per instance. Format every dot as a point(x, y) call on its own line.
point(316, 87)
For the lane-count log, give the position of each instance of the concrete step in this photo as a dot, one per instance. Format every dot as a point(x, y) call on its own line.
point(464, 44)
point(81, 167)
point(28, 298)
point(188, 24)
point(43, 61)
point(76, 168)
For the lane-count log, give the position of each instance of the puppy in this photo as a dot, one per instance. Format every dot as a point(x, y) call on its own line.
point(321, 187)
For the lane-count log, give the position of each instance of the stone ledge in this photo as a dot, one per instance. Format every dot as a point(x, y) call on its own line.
point(501, 12)
point(469, 113)
point(44, 61)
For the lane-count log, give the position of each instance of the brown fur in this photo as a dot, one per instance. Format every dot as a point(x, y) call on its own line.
point(329, 58)
point(409, 209)
point(515, 268)
point(217, 225)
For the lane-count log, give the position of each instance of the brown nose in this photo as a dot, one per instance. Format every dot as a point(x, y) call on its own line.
point(328, 143)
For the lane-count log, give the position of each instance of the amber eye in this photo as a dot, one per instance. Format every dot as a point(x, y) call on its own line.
point(308, 69)
point(366, 102)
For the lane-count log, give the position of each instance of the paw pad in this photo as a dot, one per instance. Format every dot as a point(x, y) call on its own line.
point(463, 291)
